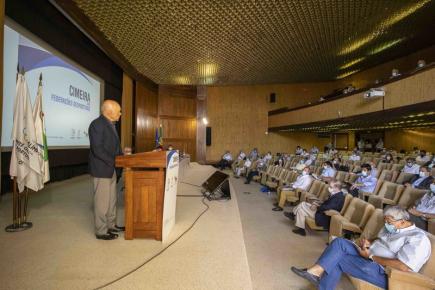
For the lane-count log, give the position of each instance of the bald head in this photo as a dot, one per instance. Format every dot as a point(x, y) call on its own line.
point(111, 110)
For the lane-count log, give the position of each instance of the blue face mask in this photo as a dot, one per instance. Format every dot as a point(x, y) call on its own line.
point(390, 228)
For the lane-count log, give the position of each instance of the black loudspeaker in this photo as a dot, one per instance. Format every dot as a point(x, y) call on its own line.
point(208, 136)
point(272, 98)
point(217, 186)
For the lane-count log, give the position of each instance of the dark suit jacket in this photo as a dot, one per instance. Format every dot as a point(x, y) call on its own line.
point(425, 184)
point(105, 147)
point(336, 202)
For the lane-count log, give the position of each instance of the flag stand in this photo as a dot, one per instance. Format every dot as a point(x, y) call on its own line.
point(20, 201)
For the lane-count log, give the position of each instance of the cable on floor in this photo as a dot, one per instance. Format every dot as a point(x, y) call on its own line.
point(161, 251)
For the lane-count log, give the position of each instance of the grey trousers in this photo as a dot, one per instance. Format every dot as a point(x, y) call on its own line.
point(104, 204)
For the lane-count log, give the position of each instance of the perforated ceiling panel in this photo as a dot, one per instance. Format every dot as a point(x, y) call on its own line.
point(260, 41)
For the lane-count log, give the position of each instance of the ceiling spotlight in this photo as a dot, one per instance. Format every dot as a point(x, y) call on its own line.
point(205, 121)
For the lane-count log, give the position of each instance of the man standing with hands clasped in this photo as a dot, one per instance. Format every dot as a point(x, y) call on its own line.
point(105, 146)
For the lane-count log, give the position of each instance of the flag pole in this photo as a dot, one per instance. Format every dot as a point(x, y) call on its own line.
point(19, 222)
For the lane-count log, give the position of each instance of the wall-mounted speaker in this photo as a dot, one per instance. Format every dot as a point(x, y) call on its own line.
point(272, 98)
point(208, 136)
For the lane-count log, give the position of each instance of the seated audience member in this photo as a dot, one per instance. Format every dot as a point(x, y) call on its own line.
point(368, 146)
point(305, 153)
point(400, 245)
point(421, 181)
point(316, 209)
point(314, 150)
point(380, 145)
point(298, 150)
point(244, 168)
point(303, 182)
point(336, 163)
point(241, 156)
point(424, 208)
point(365, 182)
point(267, 157)
point(225, 161)
point(254, 154)
point(430, 164)
point(416, 150)
point(355, 155)
point(374, 171)
point(422, 157)
point(328, 173)
point(255, 171)
point(411, 166)
point(332, 152)
point(388, 158)
point(361, 145)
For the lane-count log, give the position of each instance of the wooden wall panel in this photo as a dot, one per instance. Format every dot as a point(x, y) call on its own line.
point(127, 111)
point(415, 89)
point(353, 105)
point(407, 139)
point(146, 118)
point(238, 118)
point(177, 115)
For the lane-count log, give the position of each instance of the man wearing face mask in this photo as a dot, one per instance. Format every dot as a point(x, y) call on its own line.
point(302, 182)
point(328, 173)
point(366, 182)
point(424, 209)
point(422, 158)
point(411, 166)
point(400, 245)
point(316, 209)
point(421, 181)
point(430, 164)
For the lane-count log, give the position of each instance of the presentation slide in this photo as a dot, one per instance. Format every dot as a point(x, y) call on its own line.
point(71, 97)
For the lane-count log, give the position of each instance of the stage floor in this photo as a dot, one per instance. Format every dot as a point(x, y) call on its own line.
point(228, 248)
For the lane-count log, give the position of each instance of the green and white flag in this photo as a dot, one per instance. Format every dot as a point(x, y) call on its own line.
point(41, 138)
point(25, 163)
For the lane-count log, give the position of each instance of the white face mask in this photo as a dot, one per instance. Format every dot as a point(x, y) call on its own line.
point(409, 164)
point(304, 173)
point(364, 173)
point(422, 174)
point(432, 188)
point(331, 190)
point(325, 167)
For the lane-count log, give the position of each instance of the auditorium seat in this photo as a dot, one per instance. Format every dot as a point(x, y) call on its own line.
point(410, 196)
point(273, 183)
point(314, 191)
point(341, 175)
point(389, 194)
point(399, 280)
point(354, 219)
point(404, 177)
point(385, 175)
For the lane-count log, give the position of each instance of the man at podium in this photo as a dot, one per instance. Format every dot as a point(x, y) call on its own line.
point(104, 147)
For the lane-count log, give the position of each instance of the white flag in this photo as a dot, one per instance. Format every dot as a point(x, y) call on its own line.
point(25, 164)
point(41, 139)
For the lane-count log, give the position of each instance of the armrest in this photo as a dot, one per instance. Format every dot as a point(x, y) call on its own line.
point(431, 226)
point(410, 278)
point(331, 212)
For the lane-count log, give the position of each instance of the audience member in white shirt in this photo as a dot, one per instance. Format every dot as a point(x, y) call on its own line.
point(355, 156)
point(422, 158)
point(298, 150)
point(411, 166)
point(380, 145)
point(314, 150)
point(267, 157)
point(242, 155)
point(225, 161)
point(244, 168)
point(328, 173)
point(302, 182)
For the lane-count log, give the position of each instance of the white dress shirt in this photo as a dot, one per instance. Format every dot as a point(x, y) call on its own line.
point(414, 169)
point(369, 183)
point(303, 182)
point(354, 157)
point(409, 245)
point(227, 157)
point(241, 156)
point(328, 172)
point(423, 159)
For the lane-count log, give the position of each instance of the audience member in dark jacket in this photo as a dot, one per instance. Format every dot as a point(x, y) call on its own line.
point(316, 209)
point(422, 180)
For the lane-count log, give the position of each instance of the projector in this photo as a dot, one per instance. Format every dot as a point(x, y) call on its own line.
point(374, 93)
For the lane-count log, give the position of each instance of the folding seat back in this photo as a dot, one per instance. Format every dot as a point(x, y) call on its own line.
point(385, 175)
point(366, 159)
point(340, 176)
point(382, 166)
point(373, 225)
point(358, 212)
point(293, 176)
point(388, 194)
point(324, 192)
point(428, 269)
point(410, 196)
point(404, 177)
point(397, 167)
point(356, 168)
point(347, 200)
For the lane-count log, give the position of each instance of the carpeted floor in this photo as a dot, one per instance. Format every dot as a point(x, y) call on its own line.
point(236, 244)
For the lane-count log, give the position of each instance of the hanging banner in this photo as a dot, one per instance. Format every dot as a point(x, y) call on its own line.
point(170, 199)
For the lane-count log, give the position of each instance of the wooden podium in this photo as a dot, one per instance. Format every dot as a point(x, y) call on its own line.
point(144, 193)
